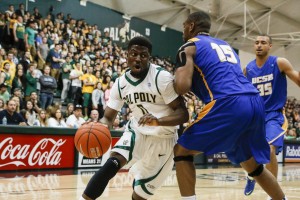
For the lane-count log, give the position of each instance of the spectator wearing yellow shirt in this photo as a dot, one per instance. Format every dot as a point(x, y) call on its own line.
point(89, 81)
point(12, 66)
point(5, 76)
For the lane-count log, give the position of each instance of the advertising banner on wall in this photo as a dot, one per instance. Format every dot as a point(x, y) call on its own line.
point(217, 158)
point(292, 153)
point(84, 162)
point(26, 151)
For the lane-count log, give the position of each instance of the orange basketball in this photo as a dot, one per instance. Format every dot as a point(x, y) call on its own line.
point(92, 139)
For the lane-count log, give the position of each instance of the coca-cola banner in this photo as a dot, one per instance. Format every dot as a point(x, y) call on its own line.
point(24, 151)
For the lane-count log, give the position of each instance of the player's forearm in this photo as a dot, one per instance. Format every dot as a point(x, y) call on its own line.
point(179, 116)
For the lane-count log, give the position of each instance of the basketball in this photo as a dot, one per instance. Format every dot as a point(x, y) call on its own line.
point(92, 140)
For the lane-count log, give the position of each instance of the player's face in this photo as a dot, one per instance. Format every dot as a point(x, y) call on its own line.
point(262, 45)
point(138, 60)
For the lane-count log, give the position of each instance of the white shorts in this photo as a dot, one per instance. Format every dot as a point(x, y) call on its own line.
point(149, 158)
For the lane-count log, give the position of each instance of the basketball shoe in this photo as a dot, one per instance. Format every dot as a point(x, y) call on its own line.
point(249, 186)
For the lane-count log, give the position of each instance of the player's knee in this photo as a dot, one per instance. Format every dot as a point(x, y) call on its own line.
point(180, 150)
point(122, 160)
point(257, 171)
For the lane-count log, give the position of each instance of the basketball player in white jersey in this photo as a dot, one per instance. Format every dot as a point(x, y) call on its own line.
point(146, 147)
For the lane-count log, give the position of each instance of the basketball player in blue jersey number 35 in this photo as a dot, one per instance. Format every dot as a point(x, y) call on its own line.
point(268, 74)
point(232, 120)
point(146, 146)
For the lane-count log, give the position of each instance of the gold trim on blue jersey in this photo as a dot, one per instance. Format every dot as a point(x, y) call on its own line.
point(205, 82)
point(193, 39)
point(284, 127)
point(202, 114)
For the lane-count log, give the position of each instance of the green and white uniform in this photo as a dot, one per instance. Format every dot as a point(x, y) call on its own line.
point(148, 149)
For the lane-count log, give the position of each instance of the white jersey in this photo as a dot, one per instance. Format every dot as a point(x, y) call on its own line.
point(149, 95)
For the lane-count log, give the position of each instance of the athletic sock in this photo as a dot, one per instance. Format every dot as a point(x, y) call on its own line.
point(100, 179)
point(189, 198)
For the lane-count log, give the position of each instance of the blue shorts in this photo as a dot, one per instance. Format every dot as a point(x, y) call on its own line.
point(234, 125)
point(276, 126)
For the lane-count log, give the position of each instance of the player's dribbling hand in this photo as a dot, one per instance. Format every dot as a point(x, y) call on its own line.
point(149, 120)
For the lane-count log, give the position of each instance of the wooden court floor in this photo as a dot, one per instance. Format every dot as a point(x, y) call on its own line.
point(223, 182)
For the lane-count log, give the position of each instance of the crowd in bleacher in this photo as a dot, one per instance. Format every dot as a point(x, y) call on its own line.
point(292, 111)
point(43, 57)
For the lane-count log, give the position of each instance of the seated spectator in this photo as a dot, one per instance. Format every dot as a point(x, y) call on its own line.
point(12, 66)
point(94, 116)
point(3, 92)
point(42, 119)
point(5, 76)
point(297, 127)
point(26, 115)
point(37, 106)
point(56, 119)
point(18, 103)
point(116, 125)
point(69, 110)
point(13, 118)
point(291, 134)
point(125, 119)
point(2, 104)
point(32, 114)
point(75, 120)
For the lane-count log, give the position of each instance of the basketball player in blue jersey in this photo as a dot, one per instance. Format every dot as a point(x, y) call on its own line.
point(268, 74)
point(232, 120)
point(146, 146)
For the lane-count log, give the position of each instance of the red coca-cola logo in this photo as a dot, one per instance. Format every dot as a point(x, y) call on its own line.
point(30, 151)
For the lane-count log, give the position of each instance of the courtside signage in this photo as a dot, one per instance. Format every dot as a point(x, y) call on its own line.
point(292, 153)
point(84, 162)
point(26, 151)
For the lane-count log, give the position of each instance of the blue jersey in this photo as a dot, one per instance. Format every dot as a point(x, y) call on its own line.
point(217, 70)
point(270, 82)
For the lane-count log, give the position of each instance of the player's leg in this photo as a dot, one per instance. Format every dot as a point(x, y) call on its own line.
point(185, 171)
point(153, 167)
point(120, 155)
point(100, 179)
point(273, 165)
point(264, 178)
point(276, 126)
